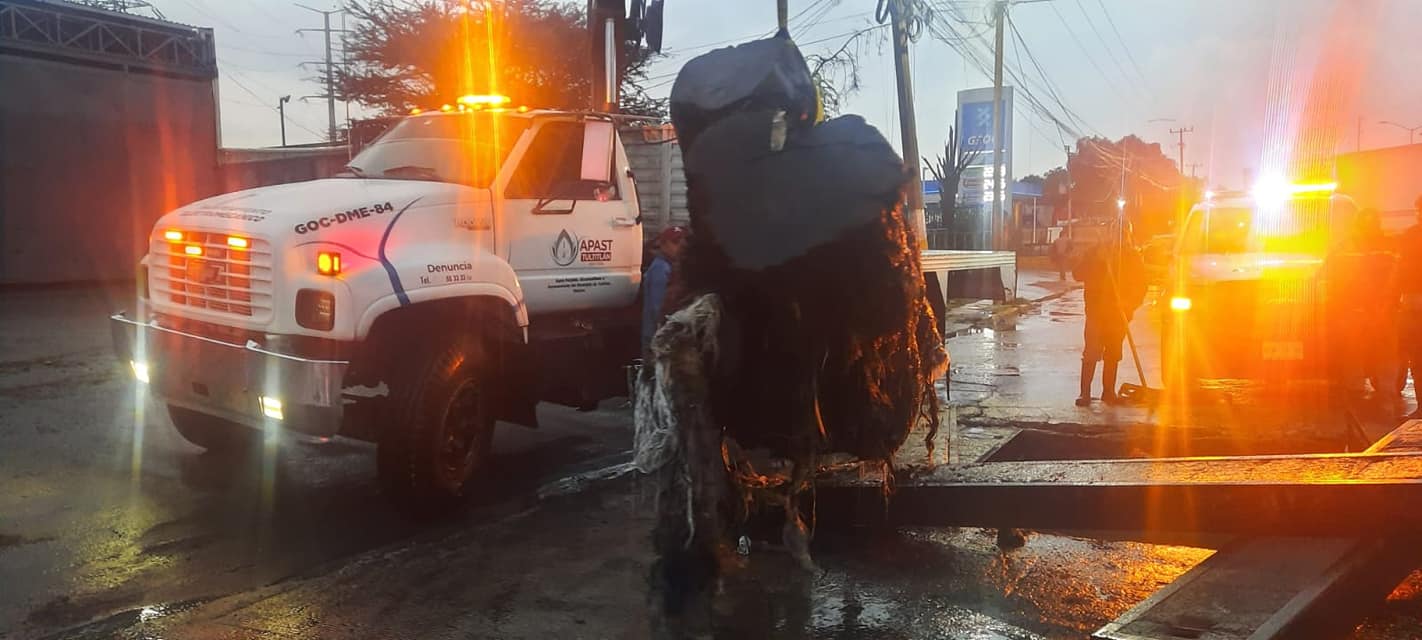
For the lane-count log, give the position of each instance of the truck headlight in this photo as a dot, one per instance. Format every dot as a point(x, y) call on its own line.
point(316, 309)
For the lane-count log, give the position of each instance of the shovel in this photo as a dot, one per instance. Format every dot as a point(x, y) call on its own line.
point(1137, 394)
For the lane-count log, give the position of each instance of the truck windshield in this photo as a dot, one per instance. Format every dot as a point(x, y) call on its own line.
point(465, 148)
point(1301, 226)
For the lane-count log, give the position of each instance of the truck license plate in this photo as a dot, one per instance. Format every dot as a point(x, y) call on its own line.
point(1283, 350)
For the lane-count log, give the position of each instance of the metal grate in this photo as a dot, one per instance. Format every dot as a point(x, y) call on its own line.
point(223, 278)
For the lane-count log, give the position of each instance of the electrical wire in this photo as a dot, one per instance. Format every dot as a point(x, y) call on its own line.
point(233, 76)
point(1084, 51)
point(1110, 53)
point(1129, 56)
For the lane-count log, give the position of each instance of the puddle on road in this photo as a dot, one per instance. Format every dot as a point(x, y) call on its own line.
point(111, 626)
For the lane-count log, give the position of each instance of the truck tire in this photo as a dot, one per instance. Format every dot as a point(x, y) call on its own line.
point(210, 432)
point(437, 436)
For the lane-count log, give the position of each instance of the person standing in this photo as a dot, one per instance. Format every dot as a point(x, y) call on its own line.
point(1409, 284)
point(1061, 254)
point(1113, 275)
point(1363, 308)
point(666, 249)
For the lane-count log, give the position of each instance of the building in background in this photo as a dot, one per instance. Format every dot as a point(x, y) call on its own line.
point(107, 120)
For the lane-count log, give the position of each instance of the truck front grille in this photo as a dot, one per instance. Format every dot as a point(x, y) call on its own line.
point(215, 276)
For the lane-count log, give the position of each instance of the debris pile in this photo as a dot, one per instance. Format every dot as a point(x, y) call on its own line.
point(806, 328)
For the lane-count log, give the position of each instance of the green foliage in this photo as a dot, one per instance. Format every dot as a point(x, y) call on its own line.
point(424, 53)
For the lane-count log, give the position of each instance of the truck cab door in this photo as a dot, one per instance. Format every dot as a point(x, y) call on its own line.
point(570, 210)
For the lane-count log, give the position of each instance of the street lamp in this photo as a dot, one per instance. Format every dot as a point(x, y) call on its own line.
point(1120, 204)
point(281, 113)
point(1410, 130)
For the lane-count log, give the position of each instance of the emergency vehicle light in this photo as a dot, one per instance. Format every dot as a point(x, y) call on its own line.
point(173, 235)
point(238, 242)
point(328, 263)
point(1181, 303)
point(483, 99)
point(1275, 190)
point(193, 250)
point(416, 111)
point(140, 370)
point(271, 407)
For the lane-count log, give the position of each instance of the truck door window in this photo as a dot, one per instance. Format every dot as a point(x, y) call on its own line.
point(551, 168)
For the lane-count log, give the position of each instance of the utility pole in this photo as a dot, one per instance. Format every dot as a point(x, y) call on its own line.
point(1071, 220)
point(907, 124)
point(330, 95)
point(998, 166)
point(281, 112)
point(1193, 166)
point(1181, 145)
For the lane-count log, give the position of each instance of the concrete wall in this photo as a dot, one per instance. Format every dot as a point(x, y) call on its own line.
point(1388, 180)
point(247, 168)
point(90, 157)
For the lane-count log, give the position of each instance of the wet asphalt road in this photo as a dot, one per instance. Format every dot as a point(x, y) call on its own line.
point(104, 508)
point(317, 553)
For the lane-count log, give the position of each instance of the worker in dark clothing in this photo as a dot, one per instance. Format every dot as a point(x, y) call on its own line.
point(1362, 274)
point(1409, 285)
point(656, 280)
point(1114, 278)
point(1060, 252)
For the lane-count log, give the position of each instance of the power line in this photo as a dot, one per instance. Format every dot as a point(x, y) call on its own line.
point(1124, 47)
point(1052, 89)
point(1110, 53)
point(232, 75)
point(1084, 51)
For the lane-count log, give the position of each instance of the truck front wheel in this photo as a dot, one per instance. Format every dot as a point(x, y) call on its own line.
point(210, 432)
point(438, 435)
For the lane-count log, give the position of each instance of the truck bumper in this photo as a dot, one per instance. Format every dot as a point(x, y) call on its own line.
point(242, 383)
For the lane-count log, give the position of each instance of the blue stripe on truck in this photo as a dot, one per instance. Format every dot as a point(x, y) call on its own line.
point(390, 268)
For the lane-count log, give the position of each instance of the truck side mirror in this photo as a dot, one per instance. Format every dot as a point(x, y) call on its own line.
point(597, 152)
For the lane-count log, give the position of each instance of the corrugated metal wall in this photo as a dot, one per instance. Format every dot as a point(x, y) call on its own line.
point(655, 158)
point(89, 159)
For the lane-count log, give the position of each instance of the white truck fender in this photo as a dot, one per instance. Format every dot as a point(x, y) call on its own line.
point(461, 290)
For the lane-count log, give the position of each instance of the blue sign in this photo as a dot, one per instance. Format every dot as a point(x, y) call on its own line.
point(976, 128)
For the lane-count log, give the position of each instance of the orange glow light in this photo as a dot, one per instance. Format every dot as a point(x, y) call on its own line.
point(484, 99)
point(173, 236)
point(328, 263)
point(193, 250)
point(446, 107)
point(416, 111)
point(238, 243)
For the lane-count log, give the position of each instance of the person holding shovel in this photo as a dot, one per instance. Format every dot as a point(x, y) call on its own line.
point(1113, 274)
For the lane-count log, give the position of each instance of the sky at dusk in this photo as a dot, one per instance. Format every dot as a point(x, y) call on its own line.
point(1241, 72)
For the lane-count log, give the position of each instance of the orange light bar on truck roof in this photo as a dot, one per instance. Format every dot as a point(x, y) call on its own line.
point(193, 250)
point(490, 100)
point(237, 242)
point(173, 235)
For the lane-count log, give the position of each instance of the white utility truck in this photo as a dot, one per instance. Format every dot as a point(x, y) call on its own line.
point(464, 266)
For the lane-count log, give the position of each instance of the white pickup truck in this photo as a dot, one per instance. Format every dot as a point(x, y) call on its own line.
point(464, 266)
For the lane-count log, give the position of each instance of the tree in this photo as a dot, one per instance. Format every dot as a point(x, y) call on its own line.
point(1101, 171)
point(948, 168)
point(423, 53)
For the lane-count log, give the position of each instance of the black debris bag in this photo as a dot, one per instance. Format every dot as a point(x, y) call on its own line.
point(823, 340)
point(767, 74)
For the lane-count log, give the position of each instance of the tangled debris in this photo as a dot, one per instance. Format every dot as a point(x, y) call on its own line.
point(807, 330)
